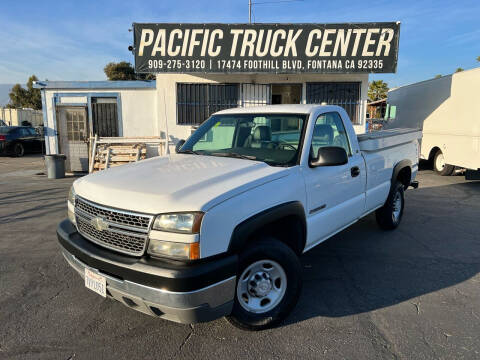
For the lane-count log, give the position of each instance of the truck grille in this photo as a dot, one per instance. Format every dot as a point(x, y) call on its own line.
point(119, 230)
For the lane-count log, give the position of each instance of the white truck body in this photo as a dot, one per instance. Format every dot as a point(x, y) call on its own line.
point(448, 111)
point(231, 191)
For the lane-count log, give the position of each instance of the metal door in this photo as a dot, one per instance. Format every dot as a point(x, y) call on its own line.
point(72, 130)
point(255, 94)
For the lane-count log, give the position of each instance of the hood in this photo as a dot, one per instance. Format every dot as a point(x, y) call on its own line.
point(179, 182)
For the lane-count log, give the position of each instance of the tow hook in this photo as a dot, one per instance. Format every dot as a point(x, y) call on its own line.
point(414, 184)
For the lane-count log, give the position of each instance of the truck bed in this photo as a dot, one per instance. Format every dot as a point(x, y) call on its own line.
point(378, 140)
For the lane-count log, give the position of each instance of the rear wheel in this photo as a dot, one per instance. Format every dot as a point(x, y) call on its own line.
point(269, 282)
point(439, 165)
point(389, 215)
point(18, 150)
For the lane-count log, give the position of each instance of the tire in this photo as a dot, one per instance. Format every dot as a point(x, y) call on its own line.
point(439, 165)
point(390, 215)
point(284, 277)
point(18, 150)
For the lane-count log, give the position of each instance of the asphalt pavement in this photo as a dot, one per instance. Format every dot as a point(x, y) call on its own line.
point(413, 293)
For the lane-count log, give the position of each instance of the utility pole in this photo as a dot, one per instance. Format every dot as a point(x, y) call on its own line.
point(249, 11)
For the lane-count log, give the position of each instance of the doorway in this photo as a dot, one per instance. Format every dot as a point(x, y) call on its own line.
point(286, 93)
point(73, 132)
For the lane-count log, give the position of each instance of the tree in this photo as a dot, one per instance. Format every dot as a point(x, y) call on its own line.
point(478, 58)
point(124, 71)
point(438, 76)
point(34, 94)
point(25, 98)
point(459, 69)
point(377, 90)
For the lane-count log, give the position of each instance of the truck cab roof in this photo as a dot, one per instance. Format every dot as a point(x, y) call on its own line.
point(283, 108)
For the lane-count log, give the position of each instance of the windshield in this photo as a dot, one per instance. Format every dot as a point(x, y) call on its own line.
point(272, 138)
point(5, 129)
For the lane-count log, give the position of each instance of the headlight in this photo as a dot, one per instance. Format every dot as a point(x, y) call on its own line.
point(187, 251)
point(187, 223)
point(71, 206)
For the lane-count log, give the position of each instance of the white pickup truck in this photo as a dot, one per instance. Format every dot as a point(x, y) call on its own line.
point(218, 228)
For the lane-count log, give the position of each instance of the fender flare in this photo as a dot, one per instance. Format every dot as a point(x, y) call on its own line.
point(399, 167)
point(243, 231)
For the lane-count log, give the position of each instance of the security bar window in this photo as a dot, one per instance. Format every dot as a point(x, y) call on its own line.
point(196, 102)
point(105, 117)
point(344, 94)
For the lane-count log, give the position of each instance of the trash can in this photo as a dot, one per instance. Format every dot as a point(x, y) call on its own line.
point(55, 164)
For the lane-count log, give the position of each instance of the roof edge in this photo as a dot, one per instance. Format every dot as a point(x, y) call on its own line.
point(121, 84)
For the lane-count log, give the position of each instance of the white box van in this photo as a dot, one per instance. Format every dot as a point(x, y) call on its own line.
point(448, 111)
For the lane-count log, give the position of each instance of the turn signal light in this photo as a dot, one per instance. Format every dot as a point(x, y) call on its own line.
point(195, 251)
point(176, 250)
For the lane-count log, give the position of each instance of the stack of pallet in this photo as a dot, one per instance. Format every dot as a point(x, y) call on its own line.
point(110, 155)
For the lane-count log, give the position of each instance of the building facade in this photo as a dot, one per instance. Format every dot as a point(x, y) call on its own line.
point(75, 111)
point(175, 104)
point(186, 100)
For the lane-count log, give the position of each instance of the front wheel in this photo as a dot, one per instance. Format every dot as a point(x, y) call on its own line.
point(390, 214)
point(269, 282)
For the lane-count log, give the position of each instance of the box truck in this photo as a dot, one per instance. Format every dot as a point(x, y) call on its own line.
point(447, 109)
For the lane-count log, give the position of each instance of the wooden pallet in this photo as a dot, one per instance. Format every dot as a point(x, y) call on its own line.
point(110, 152)
point(107, 156)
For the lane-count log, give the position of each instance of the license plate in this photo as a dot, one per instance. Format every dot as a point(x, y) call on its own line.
point(96, 282)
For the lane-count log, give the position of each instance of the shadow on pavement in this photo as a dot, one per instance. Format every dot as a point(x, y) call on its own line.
point(364, 268)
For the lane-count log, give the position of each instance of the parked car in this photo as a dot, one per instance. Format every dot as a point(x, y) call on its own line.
point(20, 140)
point(218, 228)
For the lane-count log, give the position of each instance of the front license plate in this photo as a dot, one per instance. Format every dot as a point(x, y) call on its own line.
point(96, 282)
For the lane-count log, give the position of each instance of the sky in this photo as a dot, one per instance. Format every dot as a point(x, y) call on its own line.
point(73, 40)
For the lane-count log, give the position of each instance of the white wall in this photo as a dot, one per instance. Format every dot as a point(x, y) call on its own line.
point(138, 111)
point(166, 91)
point(15, 117)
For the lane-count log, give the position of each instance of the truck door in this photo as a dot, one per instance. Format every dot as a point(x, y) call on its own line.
point(335, 194)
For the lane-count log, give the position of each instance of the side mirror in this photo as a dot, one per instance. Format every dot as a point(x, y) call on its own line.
point(330, 156)
point(179, 145)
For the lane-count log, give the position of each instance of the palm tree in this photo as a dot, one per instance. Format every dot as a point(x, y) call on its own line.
point(377, 90)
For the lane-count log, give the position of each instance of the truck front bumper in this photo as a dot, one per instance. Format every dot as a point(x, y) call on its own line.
point(185, 293)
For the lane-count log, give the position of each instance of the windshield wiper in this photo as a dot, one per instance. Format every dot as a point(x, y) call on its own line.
point(234, 155)
point(189, 152)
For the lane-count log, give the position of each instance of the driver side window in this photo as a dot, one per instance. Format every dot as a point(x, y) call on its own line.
point(329, 131)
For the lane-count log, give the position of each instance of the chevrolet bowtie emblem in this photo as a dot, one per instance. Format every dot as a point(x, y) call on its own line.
point(99, 224)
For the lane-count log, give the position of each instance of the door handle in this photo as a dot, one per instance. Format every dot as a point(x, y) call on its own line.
point(355, 171)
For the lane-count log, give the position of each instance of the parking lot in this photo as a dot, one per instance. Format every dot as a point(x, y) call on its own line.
point(368, 294)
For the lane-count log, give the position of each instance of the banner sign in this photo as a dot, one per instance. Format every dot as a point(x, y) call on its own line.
point(266, 48)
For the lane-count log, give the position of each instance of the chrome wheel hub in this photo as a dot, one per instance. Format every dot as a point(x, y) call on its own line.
point(261, 286)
